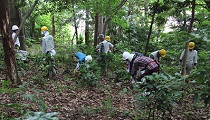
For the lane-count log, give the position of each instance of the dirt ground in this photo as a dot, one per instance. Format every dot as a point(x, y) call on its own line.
point(64, 94)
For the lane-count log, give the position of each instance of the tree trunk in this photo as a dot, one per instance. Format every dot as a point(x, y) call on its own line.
point(53, 25)
point(87, 29)
point(149, 34)
point(96, 30)
point(32, 27)
point(193, 16)
point(100, 24)
point(105, 25)
point(8, 45)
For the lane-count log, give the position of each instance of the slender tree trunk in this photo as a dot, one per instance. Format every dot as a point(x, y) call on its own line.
point(100, 24)
point(149, 34)
point(8, 45)
point(32, 27)
point(87, 29)
point(105, 25)
point(96, 30)
point(53, 25)
point(193, 16)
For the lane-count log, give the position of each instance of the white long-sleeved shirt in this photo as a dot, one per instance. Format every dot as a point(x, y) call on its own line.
point(48, 44)
point(191, 56)
point(107, 46)
point(17, 42)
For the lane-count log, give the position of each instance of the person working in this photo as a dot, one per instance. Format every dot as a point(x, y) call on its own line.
point(192, 58)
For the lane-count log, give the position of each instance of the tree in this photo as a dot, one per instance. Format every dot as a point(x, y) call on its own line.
point(8, 45)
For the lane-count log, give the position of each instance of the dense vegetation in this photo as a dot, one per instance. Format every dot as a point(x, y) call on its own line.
point(93, 95)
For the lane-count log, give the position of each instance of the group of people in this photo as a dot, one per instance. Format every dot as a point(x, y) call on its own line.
point(138, 62)
point(135, 62)
point(103, 48)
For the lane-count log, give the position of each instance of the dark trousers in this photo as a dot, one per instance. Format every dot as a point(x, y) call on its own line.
point(147, 72)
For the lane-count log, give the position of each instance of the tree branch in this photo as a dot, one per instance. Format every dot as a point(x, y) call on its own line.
point(24, 19)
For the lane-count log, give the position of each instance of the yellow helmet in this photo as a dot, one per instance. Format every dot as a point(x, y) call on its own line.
point(162, 53)
point(191, 45)
point(107, 38)
point(44, 28)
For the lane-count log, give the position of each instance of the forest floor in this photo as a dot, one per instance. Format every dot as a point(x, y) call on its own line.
point(66, 95)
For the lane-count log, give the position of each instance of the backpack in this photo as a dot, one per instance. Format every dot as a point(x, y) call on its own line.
point(102, 48)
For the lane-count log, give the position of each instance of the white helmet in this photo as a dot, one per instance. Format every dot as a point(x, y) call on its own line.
point(130, 57)
point(88, 58)
point(15, 27)
point(125, 55)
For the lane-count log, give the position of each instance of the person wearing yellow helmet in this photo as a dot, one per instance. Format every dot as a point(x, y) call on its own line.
point(156, 55)
point(48, 50)
point(47, 42)
point(107, 38)
point(192, 57)
point(103, 49)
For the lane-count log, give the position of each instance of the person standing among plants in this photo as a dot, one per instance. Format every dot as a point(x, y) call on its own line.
point(48, 49)
point(47, 42)
point(110, 44)
point(103, 49)
point(192, 58)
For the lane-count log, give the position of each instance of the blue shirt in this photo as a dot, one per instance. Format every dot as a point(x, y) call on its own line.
point(80, 56)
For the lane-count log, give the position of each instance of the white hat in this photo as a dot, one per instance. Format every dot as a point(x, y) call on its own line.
point(15, 27)
point(88, 58)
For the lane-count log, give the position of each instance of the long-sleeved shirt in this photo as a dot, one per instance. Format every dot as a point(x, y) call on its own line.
point(17, 42)
point(106, 46)
point(191, 56)
point(145, 62)
point(81, 58)
point(129, 65)
point(48, 44)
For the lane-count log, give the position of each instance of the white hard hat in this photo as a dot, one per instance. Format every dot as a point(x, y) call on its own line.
point(88, 58)
point(125, 55)
point(15, 27)
point(130, 57)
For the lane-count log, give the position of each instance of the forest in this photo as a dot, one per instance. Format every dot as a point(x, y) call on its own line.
point(39, 85)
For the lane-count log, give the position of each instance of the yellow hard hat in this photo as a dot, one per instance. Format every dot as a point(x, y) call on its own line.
point(107, 38)
point(44, 28)
point(162, 53)
point(191, 45)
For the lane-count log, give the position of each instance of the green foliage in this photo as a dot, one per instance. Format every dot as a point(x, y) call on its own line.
point(159, 94)
point(89, 76)
point(201, 76)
